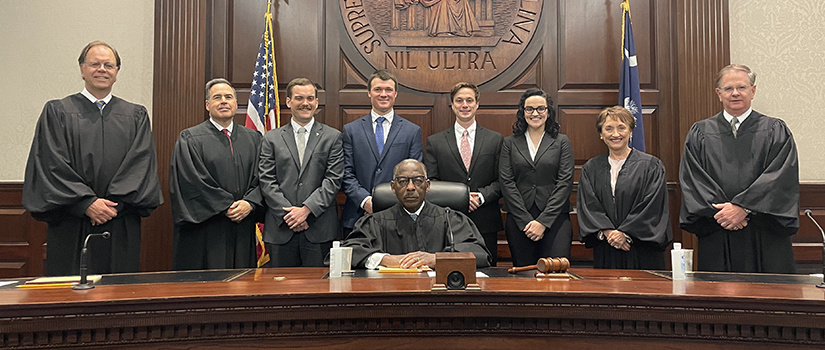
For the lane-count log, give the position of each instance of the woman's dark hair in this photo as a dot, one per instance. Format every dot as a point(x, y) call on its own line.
point(551, 126)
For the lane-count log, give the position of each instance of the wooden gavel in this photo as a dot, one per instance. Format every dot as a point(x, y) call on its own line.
point(546, 265)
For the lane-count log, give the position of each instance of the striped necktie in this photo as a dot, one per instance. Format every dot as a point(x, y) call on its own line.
point(100, 104)
point(226, 132)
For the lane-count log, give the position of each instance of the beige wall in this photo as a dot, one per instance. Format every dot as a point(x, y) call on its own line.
point(41, 40)
point(784, 43)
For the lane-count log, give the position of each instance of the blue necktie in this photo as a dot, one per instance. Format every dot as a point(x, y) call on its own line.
point(100, 104)
point(414, 216)
point(379, 134)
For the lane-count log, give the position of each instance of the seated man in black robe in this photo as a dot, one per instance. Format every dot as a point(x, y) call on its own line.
point(408, 234)
point(213, 183)
point(740, 183)
point(92, 169)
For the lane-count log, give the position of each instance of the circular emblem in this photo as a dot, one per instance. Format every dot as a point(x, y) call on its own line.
point(432, 44)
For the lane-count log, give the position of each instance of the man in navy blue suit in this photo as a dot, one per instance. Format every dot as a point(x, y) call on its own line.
point(373, 145)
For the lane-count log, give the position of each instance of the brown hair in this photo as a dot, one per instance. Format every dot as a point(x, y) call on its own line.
point(616, 112)
point(382, 74)
point(92, 44)
point(299, 82)
point(462, 85)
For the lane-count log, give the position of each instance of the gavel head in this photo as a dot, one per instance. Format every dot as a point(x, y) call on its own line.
point(543, 265)
point(547, 265)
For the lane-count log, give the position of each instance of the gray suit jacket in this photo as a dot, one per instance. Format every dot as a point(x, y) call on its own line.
point(284, 182)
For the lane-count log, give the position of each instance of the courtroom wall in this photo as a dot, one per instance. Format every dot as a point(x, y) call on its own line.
point(41, 40)
point(783, 42)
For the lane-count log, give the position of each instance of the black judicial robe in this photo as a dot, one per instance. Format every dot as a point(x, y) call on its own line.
point(79, 155)
point(757, 170)
point(394, 232)
point(205, 178)
point(639, 209)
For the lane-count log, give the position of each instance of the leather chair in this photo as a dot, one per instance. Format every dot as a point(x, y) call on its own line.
point(454, 195)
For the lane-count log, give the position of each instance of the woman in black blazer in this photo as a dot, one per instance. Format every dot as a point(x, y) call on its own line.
point(536, 174)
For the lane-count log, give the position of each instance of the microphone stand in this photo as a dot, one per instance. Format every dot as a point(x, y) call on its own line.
point(808, 213)
point(84, 262)
point(450, 229)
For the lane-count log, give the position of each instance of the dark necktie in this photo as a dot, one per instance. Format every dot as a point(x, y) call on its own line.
point(733, 124)
point(226, 132)
point(100, 104)
point(379, 133)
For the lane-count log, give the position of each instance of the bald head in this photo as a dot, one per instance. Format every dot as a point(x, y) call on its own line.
point(410, 183)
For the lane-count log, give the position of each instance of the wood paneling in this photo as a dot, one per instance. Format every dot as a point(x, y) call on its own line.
point(180, 76)
point(574, 56)
point(22, 239)
point(589, 38)
point(603, 309)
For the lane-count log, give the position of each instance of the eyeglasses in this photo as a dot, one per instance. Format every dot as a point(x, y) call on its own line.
point(403, 181)
point(96, 65)
point(530, 110)
point(730, 89)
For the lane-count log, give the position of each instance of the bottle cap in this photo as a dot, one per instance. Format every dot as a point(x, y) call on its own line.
point(336, 244)
point(677, 246)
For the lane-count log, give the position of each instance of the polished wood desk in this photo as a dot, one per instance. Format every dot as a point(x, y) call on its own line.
point(297, 308)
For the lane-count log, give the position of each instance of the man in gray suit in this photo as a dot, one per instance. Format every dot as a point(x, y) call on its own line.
point(300, 169)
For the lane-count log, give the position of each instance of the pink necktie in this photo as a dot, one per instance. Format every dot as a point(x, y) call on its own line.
point(466, 152)
point(226, 132)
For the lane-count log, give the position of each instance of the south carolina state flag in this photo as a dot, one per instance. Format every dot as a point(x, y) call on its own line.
point(629, 95)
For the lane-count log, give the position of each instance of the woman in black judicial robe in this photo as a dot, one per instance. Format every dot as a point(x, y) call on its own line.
point(536, 174)
point(622, 199)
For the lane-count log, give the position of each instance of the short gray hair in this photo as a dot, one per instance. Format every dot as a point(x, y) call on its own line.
point(217, 81)
point(735, 67)
point(408, 161)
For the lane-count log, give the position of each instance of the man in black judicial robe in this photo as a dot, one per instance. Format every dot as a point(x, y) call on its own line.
point(213, 184)
point(92, 168)
point(740, 184)
point(638, 208)
point(408, 234)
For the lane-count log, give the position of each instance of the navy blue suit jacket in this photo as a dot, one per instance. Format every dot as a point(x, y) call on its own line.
point(364, 167)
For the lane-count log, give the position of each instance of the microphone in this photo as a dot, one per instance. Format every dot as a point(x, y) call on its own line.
point(450, 229)
point(808, 212)
point(84, 261)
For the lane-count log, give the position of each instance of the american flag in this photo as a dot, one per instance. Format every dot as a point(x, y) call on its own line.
point(263, 111)
point(629, 93)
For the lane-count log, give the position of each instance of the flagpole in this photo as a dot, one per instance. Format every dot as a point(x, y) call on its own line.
point(270, 53)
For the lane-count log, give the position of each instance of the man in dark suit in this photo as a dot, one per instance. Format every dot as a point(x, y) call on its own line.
point(373, 145)
point(300, 169)
point(469, 153)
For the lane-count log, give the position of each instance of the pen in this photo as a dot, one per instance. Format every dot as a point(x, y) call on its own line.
point(45, 285)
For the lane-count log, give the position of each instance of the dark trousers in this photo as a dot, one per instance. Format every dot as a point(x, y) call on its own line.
point(491, 241)
point(298, 252)
point(555, 243)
